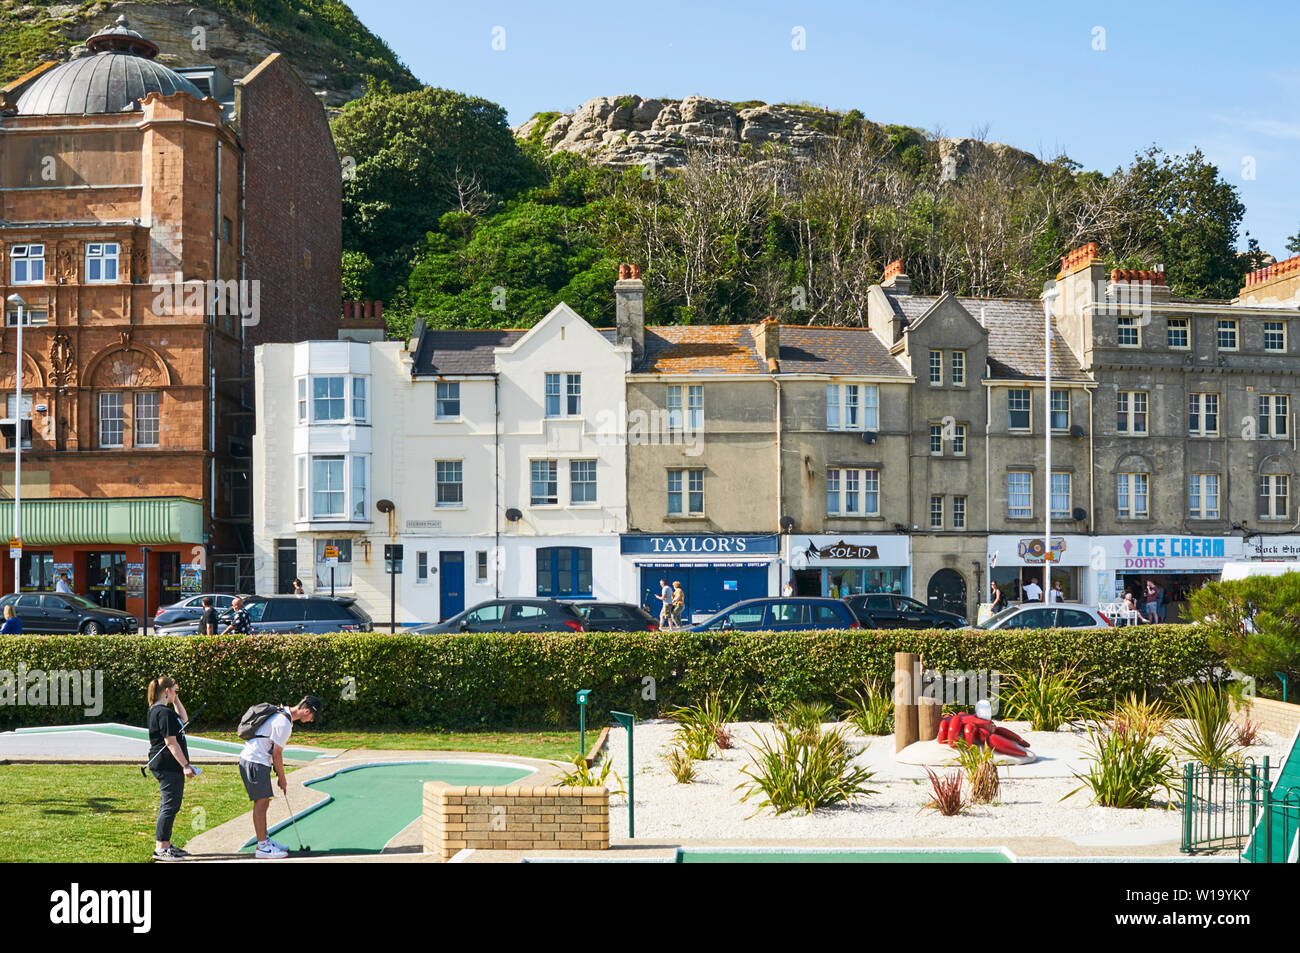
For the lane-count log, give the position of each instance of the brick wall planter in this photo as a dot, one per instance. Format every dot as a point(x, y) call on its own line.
point(1281, 718)
point(513, 818)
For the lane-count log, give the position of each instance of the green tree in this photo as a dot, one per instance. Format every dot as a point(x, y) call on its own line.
point(1255, 623)
point(410, 158)
point(1293, 243)
point(1188, 214)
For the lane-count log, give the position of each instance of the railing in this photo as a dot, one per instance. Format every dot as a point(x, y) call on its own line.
point(1234, 809)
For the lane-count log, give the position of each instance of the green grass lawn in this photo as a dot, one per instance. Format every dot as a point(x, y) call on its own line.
point(98, 813)
point(555, 745)
point(106, 813)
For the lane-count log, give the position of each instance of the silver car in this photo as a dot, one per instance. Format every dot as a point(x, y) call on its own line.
point(1055, 615)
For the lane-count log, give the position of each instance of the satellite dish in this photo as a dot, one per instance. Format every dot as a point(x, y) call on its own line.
point(385, 506)
point(1079, 513)
point(787, 523)
point(513, 515)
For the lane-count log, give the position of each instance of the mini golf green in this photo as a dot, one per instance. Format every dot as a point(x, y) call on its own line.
point(370, 804)
point(796, 855)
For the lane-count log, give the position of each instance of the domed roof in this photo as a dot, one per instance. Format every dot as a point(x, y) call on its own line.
point(120, 72)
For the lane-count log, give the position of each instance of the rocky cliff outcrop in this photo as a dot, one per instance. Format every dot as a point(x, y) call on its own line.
point(190, 34)
point(630, 131)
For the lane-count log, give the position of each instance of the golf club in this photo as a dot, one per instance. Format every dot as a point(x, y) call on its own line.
point(145, 769)
point(304, 848)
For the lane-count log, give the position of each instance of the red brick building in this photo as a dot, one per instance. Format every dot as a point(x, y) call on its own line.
point(156, 224)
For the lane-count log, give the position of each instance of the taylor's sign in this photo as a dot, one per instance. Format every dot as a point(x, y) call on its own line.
point(699, 545)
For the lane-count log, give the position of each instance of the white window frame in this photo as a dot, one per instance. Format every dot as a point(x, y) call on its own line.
point(1028, 410)
point(32, 255)
point(422, 568)
point(551, 479)
point(686, 485)
point(355, 395)
point(441, 467)
point(1227, 326)
point(302, 400)
point(1178, 325)
point(936, 511)
point(29, 317)
point(1273, 411)
point(957, 369)
point(481, 566)
point(137, 417)
point(1052, 411)
point(1060, 478)
point(1129, 489)
point(354, 487)
point(446, 392)
point(1202, 405)
point(1269, 485)
point(959, 512)
point(98, 253)
point(360, 399)
point(936, 368)
point(1014, 492)
point(1198, 495)
point(1279, 330)
point(859, 401)
point(593, 483)
point(17, 418)
point(1126, 402)
point(1125, 323)
point(857, 491)
point(115, 396)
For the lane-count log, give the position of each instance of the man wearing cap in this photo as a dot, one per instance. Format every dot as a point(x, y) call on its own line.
point(263, 754)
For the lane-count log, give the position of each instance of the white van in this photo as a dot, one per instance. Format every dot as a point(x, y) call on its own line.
point(1258, 567)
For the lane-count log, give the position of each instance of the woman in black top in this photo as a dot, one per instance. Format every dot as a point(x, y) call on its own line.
point(169, 759)
point(999, 600)
point(209, 622)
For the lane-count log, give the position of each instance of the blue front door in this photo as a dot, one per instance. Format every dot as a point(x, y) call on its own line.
point(451, 570)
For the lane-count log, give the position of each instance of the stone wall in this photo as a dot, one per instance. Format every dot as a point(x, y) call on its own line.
point(513, 818)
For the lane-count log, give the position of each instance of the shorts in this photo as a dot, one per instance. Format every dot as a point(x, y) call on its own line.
point(257, 779)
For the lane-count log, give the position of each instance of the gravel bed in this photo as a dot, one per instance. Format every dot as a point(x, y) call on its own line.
point(1031, 804)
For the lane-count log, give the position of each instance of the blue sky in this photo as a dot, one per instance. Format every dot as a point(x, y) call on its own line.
point(1224, 78)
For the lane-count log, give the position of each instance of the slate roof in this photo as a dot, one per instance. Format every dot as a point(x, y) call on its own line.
point(823, 350)
point(700, 349)
point(1015, 327)
point(461, 352)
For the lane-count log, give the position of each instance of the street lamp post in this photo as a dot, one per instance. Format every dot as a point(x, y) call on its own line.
point(1050, 294)
point(17, 554)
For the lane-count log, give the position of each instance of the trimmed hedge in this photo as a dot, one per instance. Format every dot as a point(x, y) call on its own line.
point(504, 680)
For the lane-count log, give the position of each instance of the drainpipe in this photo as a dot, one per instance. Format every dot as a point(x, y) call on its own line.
point(496, 480)
point(988, 499)
point(780, 495)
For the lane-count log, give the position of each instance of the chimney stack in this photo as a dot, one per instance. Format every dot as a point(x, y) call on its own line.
point(895, 278)
point(767, 338)
point(629, 309)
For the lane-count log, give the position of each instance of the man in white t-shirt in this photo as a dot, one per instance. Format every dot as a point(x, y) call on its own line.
point(263, 754)
point(1033, 591)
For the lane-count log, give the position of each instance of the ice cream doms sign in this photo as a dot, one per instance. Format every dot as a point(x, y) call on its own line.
point(1172, 552)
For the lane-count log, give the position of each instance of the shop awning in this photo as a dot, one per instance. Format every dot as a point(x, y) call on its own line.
point(156, 520)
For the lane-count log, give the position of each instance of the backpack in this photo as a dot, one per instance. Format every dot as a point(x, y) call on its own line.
point(255, 718)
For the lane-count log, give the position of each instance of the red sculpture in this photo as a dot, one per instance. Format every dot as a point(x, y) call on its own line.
point(981, 731)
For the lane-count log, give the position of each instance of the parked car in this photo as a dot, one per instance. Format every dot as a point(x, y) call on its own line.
point(615, 617)
point(190, 609)
point(1058, 615)
point(511, 615)
point(884, 610)
point(269, 614)
point(67, 612)
point(796, 613)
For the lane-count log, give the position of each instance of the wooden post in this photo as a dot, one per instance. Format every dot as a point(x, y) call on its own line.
point(905, 691)
point(929, 713)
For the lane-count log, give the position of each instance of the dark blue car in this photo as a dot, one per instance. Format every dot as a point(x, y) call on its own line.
point(781, 615)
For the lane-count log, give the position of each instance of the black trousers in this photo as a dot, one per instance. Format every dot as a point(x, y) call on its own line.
point(172, 786)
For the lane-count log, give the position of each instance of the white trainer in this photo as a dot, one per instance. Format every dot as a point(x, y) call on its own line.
point(275, 843)
point(270, 851)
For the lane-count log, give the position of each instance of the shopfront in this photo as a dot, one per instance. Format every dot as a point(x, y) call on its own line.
point(1273, 548)
point(716, 571)
point(135, 555)
point(839, 566)
point(1016, 561)
point(1178, 565)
